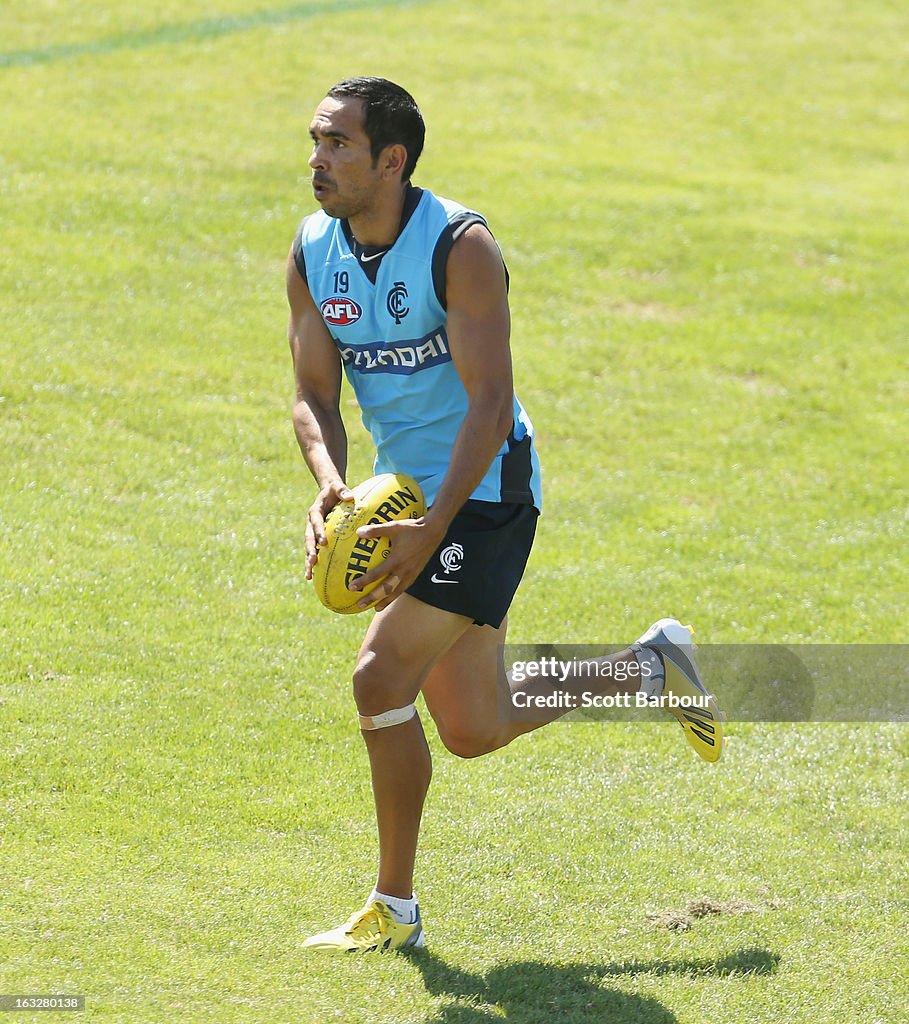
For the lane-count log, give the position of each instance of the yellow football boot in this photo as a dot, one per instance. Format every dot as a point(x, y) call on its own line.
point(683, 694)
point(371, 930)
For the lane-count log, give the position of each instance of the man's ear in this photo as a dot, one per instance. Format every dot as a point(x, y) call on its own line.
point(392, 160)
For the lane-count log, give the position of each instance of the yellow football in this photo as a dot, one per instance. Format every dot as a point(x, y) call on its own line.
point(346, 557)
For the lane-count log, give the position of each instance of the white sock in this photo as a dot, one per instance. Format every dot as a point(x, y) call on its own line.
point(405, 911)
point(653, 675)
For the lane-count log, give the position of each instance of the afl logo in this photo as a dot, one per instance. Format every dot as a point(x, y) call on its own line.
point(340, 312)
point(396, 302)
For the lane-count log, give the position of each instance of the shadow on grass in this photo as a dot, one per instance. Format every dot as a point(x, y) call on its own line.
point(538, 993)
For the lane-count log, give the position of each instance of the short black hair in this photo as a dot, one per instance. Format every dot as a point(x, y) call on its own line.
point(390, 116)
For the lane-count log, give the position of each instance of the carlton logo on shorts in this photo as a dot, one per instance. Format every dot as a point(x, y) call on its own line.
point(451, 559)
point(341, 312)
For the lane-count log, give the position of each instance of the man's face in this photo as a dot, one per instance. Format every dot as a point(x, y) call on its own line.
point(344, 177)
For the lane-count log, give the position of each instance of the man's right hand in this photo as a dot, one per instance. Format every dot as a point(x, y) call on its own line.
point(325, 501)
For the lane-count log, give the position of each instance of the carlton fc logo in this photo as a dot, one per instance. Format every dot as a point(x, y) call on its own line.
point(396, 302)
point(451, 558)
point(340, 311)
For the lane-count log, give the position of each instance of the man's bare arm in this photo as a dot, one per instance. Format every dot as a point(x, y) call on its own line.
point(479, 329)
point(317, 420)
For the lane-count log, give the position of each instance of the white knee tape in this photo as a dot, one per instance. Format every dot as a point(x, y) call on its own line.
point(397, 716)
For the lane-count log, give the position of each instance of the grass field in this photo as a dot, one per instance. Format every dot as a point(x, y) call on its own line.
point(703, 208)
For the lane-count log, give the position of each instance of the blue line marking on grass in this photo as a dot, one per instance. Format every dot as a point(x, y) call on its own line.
point(205, 28)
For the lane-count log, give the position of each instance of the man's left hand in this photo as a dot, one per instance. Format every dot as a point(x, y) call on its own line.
point(413, 542)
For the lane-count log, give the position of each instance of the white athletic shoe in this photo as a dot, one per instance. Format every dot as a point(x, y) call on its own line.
point(698, 713)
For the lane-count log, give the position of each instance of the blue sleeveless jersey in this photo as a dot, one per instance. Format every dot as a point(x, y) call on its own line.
point(393, 343)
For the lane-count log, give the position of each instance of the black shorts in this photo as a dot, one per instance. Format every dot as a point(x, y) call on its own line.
point(478, 566)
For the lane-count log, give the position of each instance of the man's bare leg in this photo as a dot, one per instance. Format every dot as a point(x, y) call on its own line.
point(401, 646)
point(476, 706)
point(470, 697)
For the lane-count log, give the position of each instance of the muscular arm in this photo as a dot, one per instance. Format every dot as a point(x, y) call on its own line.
point(316, 413)
point(478, 336)
point(479, 327)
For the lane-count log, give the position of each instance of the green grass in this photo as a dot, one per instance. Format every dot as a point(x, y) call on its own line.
point(703, 210)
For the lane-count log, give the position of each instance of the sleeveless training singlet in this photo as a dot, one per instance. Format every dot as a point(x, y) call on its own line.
point(392, 338)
